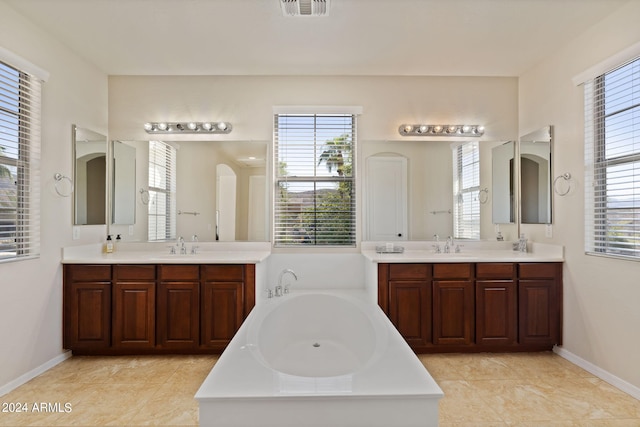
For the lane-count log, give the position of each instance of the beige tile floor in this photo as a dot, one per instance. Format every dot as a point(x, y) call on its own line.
point(539, 389)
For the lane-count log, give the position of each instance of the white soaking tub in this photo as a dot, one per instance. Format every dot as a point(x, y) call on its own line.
point(318, 358)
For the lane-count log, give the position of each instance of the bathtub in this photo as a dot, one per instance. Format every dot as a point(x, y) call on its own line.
point(318, 358)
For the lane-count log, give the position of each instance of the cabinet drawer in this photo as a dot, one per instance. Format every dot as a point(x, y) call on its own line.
point(495, 270)
point(535, 270)
point(452, 271)
point(177, 273)
point(409, 271)
point(223, 272)
point(134, 272)
point(87, 273)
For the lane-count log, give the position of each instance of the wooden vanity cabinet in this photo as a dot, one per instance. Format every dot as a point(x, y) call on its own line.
point(221, 303)
point(178, 307)
point(496, 304)
point(87, 306)
point(410, 301)
point(453, 304)
point(134, 306)
point(464, 307)
point(540, 303)
point(154, 309)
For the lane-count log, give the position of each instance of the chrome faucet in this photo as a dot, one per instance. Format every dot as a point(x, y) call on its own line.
point(194, 245)
point(279, 291)
point(183, 248)
point(437, 245)
point(448, 245)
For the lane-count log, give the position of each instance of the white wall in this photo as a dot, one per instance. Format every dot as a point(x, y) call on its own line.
point(601, 296)
point(31, 291)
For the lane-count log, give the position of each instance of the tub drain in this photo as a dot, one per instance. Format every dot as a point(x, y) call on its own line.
point(316, 345)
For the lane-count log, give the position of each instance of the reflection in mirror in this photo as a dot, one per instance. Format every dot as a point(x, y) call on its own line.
point(503, 183)
point(90, 177)
point(123, 203)
point(430, 180)
point(197, 192)
point(535, 176)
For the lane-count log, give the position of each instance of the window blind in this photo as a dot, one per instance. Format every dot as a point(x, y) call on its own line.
point(162, 191)
point(315, 188)
point(466, 187)
point(20, 107)
point(612, 160)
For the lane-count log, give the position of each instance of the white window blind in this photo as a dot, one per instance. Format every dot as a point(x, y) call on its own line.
point(612, 160)
point(466, 187)
point(162, 191)
point(20, 108)
point(315, 202)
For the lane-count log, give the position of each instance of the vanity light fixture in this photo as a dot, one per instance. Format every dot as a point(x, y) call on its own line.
point(188, 127)
point(441, 130)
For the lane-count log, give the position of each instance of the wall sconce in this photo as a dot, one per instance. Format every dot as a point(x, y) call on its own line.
point(441, 130)
point(188, 127)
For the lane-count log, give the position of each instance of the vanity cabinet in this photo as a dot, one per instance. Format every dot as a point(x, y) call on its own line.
point(496, 304)
point(409, 301)
point(453, 304)
point(222, 297)
point(87, 306)
point(473, 306)
point(134, 306)
point(540, 304)
point(155, 309)
point(178, 308)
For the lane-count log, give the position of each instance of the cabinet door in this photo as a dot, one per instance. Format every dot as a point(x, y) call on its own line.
point(538, 312)
point(410, 311)
point(221, 312)
point(134, 315)
point(178, 314)
point(496, 312)
point(87, 315)
point(453, 312)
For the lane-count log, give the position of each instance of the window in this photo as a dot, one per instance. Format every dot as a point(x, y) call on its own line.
point(162, 191)
point(612, 157)
point(466, 187)
point(314, 180)
point(19, 161)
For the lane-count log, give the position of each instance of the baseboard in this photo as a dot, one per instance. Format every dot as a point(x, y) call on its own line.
point(22, 379)
point(619, 383)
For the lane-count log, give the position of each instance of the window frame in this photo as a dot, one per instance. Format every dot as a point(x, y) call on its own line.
point(24, 94)
point(463, 228)
point(168, 191)
point(283, 234)
point(602, 228)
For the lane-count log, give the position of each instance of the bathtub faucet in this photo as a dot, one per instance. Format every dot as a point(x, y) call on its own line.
point(279, 289)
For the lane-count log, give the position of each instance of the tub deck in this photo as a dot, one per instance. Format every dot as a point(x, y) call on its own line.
point(394, 389)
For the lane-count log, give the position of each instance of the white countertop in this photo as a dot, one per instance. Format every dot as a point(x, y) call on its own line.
point(471, 252)
point(157, 253)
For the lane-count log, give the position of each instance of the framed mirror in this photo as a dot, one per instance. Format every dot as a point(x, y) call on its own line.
point(503, 183)
point(89, 177)
point(123, 198)
point(204, 203)
point(536, 176)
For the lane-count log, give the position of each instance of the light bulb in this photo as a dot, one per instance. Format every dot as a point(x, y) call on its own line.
point(466, 128)
point(222, 126)
point(162, 126)
point(437, 129)
point(408, 128)
point(148, 127)
point(423, 129)
point(480, 129)
point(206, 126)
point(451, 129)
point(192, 125)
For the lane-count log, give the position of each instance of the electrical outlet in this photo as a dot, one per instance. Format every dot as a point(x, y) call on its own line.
point(76, 233)
point(131, 230)
point(548, 231)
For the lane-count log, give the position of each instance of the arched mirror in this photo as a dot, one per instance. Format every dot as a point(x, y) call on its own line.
point(535, 176)
point(89, 177)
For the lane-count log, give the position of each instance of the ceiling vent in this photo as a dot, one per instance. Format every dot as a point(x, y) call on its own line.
point(305, 7)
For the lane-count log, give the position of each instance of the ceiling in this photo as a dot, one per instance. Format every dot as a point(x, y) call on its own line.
point(359, 37)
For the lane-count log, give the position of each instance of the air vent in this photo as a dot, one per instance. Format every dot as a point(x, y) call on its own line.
point(305, 7)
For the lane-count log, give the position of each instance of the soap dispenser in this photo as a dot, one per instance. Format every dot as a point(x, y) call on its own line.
point(108, 246)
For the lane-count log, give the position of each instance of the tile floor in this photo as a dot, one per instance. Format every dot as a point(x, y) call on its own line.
point(538, 389)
